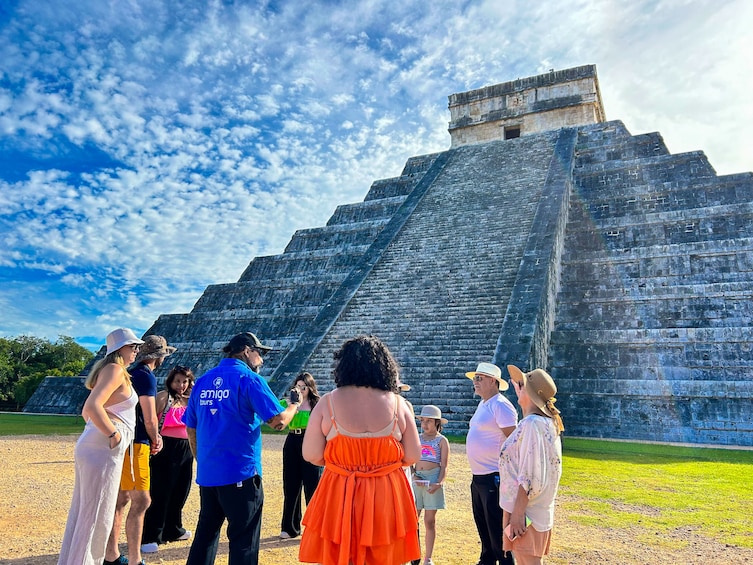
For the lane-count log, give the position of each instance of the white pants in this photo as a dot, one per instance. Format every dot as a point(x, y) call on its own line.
point(95, 493)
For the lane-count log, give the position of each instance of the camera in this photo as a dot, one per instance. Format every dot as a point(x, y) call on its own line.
point(295, 396)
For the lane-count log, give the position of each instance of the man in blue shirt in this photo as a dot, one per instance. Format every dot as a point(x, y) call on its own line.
point(223, 421)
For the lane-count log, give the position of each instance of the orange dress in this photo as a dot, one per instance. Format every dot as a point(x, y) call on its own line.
point(362, 512)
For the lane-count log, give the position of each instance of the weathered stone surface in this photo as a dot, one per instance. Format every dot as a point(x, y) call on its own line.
point(531, 105)
point(625, 271)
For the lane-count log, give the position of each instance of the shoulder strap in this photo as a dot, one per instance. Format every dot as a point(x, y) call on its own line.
point(164, 413)
point(394, 416)
point(332, 411)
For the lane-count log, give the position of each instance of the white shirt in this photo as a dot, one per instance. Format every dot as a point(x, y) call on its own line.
point(532, 458)
point(485, 437)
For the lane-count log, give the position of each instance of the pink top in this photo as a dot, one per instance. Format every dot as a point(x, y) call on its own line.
point(174, 426)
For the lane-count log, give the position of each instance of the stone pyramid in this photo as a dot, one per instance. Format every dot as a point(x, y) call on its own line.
point(544, 237)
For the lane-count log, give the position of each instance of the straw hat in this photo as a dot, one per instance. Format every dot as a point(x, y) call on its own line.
point(489, 370)
point(539, 386)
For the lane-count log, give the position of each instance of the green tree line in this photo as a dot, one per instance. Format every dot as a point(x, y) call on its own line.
point(26, 360)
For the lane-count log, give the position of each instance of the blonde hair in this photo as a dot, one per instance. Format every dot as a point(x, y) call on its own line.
point(555, 415)
point(114, 357)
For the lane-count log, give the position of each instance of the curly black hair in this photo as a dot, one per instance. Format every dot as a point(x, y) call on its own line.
point(366, 361)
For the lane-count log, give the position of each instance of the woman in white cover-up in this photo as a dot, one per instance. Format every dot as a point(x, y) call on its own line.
point(110, 416)
point(530, 467)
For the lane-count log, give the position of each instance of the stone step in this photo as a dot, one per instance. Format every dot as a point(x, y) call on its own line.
point(337, 238)
point(372, 210)
point(727, 252)
point(662, 170)
point(718, 191)
point(635, 147)
point(293, 264)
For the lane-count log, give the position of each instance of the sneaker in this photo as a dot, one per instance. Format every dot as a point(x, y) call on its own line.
point(429, 562)
point(186, 535)
point(284, 535)
point(121, 560)
point(149, 547)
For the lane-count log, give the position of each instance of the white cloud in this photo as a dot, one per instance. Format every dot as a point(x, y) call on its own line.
point(163, 153)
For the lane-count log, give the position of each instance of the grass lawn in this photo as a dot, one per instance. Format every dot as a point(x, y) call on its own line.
point(15, 424)
point(660, 488)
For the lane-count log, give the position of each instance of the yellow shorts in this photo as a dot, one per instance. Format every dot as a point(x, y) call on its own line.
point(140, 479)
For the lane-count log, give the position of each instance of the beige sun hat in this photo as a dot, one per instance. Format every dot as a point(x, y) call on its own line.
point(432, 412)
point(539, 386)
point(489, 370)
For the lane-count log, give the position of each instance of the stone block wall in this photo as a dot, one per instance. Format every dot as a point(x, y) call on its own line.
point(537, 104)
point(652, 338)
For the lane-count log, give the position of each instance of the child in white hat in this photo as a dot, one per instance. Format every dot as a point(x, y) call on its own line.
point(430, 473)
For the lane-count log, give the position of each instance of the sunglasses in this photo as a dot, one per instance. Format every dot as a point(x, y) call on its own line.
point(478, 378)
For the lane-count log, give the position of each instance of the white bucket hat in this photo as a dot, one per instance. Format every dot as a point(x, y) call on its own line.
point(489, 370)
point(120, 338)
point(432, 412)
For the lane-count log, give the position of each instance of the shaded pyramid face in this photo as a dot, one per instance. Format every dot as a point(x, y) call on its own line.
point(623, 270)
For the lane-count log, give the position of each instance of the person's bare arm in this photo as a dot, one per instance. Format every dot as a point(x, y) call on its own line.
point(160, 402)
point(108, 381)
point(191, 434)
point(444, 449)
point(518, 515)
point(410, 440)
point(314, 440)
point(283, 418)
point(508, 430)
point(150, 422)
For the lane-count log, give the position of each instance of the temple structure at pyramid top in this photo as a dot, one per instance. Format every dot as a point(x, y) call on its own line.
point(544, 236)
point(557, 99)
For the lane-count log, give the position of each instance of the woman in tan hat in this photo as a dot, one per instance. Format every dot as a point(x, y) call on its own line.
point(530, 466)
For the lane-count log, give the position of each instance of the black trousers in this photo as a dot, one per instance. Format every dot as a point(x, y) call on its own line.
point(241, 504)
point(297, 475)
point(488, 517)
point(170, 482)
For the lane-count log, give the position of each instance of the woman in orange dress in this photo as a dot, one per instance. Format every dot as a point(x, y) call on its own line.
point(363, 432)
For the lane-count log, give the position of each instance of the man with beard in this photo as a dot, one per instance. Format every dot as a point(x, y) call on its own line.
point(223, 421)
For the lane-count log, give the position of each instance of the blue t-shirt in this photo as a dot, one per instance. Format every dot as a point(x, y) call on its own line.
point(227, 407)
point(145, 384)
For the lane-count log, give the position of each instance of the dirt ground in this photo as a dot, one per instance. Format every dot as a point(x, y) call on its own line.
point(36, 482)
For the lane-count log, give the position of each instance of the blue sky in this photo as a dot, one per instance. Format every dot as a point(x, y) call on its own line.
point(149, 148)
